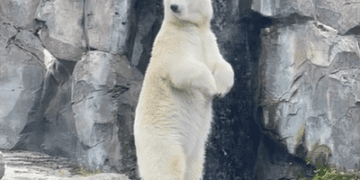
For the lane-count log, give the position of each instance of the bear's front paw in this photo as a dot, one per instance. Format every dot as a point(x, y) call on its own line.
point(224, 78)
point(209, 87)
point(212, 89)
point(223, 88)
point(205, 82)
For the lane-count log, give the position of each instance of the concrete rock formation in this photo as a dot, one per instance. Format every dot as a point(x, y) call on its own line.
point(309, 92)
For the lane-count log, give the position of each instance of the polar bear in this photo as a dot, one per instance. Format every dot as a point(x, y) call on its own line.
point(174, 111)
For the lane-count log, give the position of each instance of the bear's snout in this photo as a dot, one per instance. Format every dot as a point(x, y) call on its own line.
point(174, 8)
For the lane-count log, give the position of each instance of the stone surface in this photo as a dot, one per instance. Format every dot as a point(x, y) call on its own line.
point(107, 25)
point(310, 92)
point(50, 128)
point(342, 15)
point(62, 33)
point(22, 165)
point(105, 91)
point(283, 8)
point(28, 41)
point(20, 13)
point(21, 78)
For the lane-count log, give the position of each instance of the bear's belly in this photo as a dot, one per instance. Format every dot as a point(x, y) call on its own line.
point(193, 119)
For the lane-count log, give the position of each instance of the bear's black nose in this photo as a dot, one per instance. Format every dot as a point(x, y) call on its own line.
point(174, 7)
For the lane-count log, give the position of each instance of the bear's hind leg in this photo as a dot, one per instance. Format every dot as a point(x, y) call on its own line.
point(161, 160)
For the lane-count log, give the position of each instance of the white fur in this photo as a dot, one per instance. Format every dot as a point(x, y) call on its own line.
point(174, 112)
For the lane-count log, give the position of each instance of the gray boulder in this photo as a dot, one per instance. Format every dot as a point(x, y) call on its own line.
point(29, 42)
point(107, 25)
point(50, 127)
point(104, 95)
point(22, 77)
point(8, 32)
point(310, 92)
point(19, 13)
point(62, 33)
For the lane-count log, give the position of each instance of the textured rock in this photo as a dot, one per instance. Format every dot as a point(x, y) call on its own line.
point(284, 8)
point(50, 127)
point(107, 25)
point(21, 13)
point(310, 92)
point(27, 41)
point(342, 15)
point(105, 92)
point(62, 33)
point(21, 78)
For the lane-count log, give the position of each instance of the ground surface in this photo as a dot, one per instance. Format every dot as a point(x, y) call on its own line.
point(24, 165)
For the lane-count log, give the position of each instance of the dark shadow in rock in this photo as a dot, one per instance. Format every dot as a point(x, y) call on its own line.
point(149, 16)
point(147, 47)
point(353, 31)
point(292, 19)
point(274, 162)
point(235, 136)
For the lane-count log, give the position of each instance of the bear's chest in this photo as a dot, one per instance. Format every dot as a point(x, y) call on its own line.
point(197, 45)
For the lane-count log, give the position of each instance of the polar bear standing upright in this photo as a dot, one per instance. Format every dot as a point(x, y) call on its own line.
point(174, 112)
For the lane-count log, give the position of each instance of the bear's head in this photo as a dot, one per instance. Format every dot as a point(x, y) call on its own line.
point(182, 12)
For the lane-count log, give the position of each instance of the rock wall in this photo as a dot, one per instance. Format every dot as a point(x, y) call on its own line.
point(68, 86)
point(71, 72)
point(309, 68)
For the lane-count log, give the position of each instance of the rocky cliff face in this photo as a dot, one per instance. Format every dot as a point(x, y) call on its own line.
point(309, 86)
point(71, 72)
